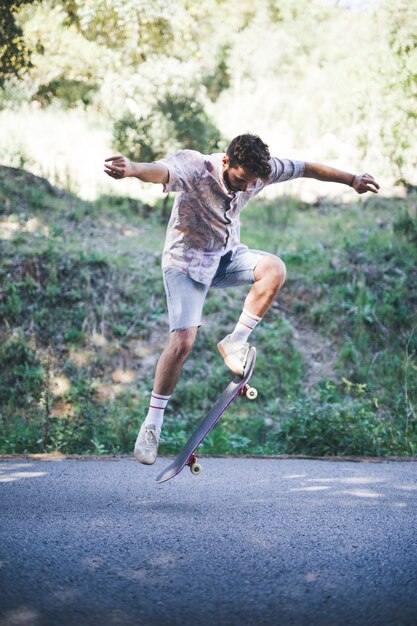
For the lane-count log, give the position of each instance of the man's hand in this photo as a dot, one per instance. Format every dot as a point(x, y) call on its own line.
point(365, 182)
point(118, 167)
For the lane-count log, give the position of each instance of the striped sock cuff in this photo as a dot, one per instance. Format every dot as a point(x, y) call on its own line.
point(247, 322)
point(158, 401)
point(156, 410)
point(249, 319)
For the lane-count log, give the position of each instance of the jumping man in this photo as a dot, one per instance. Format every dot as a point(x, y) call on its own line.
point(203, 249)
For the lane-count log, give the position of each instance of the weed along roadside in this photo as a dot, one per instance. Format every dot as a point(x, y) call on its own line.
point(82, 311)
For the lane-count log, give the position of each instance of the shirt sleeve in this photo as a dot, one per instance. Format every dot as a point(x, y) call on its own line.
point(284, 169)
point(181, 170)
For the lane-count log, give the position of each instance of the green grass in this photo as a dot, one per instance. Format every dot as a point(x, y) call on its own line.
point(83, 319)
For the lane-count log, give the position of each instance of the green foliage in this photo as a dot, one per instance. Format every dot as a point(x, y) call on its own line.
point(21, 374)
point(69, 92)
point(137, 138)
point(176, 122)
point(367, 302)
point(192, 128)
point(280, 356)
point(83, 319)
point(76, 284)
point(402, 83)
point(406, 224)
point(388, 119)
point(121, 59)
point(134, 25)
point(14, 53)
point(79, 288)
point(328, 424)
point(220, 79)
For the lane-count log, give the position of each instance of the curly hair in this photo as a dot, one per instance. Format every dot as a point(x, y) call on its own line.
point(251, 152)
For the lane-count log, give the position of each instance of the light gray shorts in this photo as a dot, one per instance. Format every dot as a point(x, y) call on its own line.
point(186, 297)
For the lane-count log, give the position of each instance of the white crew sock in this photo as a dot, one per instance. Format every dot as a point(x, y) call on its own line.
point(247, 322)
point(156, 410)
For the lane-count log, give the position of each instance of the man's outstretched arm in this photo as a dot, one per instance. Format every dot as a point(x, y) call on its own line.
point(120, 167)
point(361, 183)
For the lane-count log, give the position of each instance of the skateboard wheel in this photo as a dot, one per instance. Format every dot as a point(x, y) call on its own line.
point(196, 469)
point(251, 393)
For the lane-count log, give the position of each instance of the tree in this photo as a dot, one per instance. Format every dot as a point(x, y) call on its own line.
point(400, 126)
point(15, 57)
point(175, 122)
point(388, 111)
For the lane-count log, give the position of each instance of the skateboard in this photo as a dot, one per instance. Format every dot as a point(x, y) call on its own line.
point(238, 386)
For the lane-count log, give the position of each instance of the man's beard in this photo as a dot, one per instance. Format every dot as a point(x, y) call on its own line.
point(227, 181)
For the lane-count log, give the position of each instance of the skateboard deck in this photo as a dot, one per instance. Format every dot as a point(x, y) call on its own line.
point(239, 385)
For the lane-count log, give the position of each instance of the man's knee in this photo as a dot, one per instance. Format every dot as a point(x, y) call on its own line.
point(182, 341)
point(272, 269)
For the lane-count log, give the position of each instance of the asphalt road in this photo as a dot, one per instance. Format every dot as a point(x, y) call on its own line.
point(250, 541)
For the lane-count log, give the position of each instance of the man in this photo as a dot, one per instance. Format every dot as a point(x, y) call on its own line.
point(202, 250)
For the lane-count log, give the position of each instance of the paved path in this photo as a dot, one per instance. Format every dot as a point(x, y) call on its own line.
point(250, 541)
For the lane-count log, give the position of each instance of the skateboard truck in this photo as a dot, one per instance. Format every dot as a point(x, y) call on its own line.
point(195, 468)
point(249, 392)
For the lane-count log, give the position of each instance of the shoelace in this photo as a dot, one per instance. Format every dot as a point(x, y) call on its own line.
point(151, 438)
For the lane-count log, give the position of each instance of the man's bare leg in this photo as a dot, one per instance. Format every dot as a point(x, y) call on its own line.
point(269, 278)
point(167, 373)
point(172, 359)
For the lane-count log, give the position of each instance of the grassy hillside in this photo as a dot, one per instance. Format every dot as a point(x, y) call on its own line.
point(82, 312)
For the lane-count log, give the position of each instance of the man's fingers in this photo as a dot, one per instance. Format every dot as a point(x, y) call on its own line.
point(370, 180)
point(367, 183)
point(115, 166)
point(114, 172)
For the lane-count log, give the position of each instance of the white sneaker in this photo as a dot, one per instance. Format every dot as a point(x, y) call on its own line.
point(235, 354)
point(146, 446)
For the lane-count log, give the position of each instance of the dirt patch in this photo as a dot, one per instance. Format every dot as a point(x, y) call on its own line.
point(317, 351)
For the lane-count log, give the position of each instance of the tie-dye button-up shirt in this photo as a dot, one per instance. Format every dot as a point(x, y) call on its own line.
point(204, 223)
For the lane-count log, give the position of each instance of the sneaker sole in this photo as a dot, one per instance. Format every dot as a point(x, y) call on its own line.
point(143, 461)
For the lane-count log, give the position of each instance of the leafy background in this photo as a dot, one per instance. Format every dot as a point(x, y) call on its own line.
point(82, 307)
